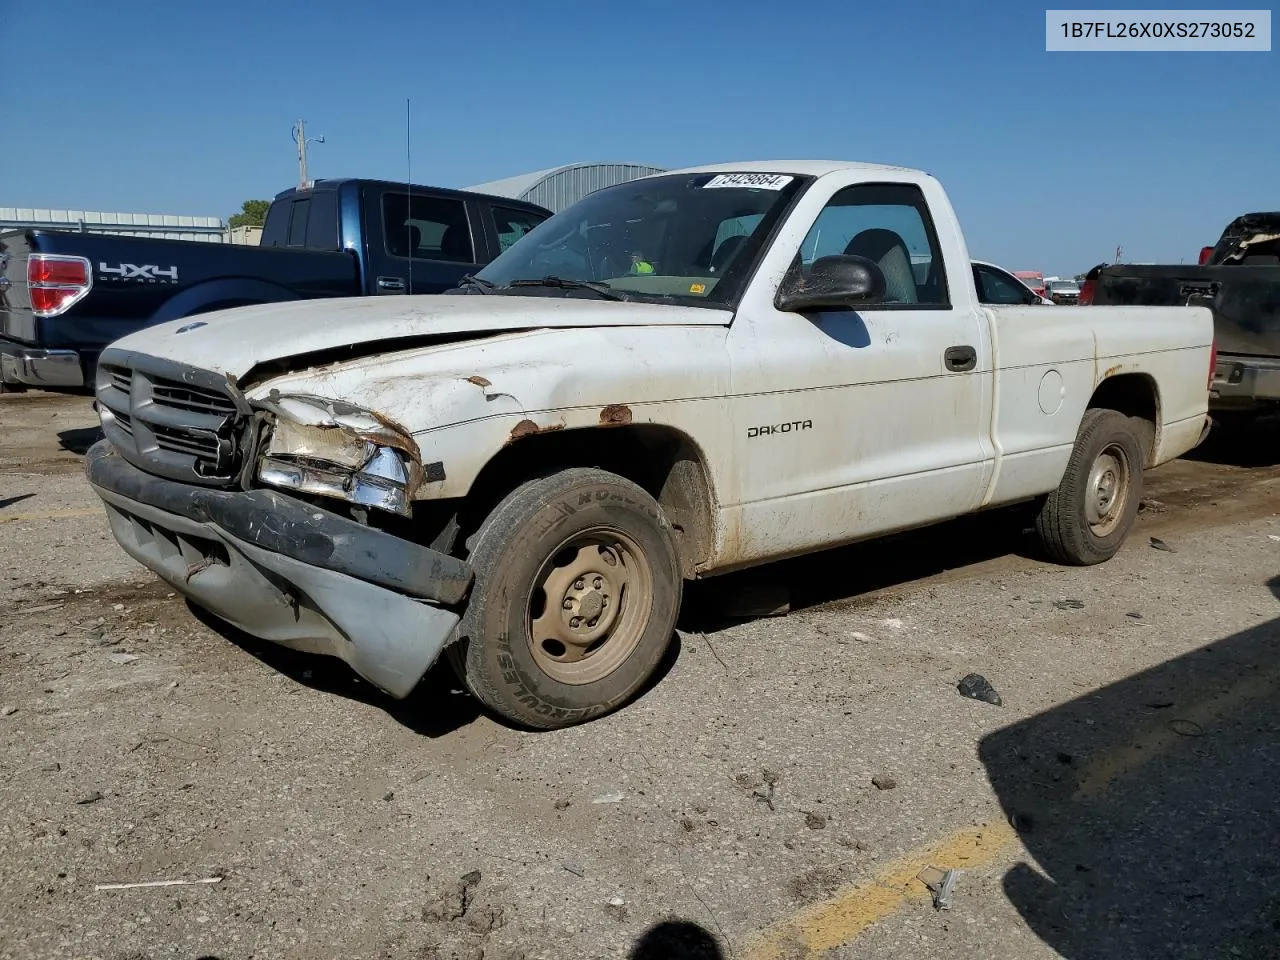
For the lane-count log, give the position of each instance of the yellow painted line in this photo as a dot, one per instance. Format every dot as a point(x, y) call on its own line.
point(1194, 720)
point(833, 922)
point(51, 515)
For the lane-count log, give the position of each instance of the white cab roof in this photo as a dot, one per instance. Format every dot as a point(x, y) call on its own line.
point(809, 168)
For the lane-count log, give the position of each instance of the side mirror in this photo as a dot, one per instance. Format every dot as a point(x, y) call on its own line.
point(832, 283)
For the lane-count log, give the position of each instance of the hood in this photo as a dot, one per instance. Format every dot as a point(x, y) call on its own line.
point(233, 342)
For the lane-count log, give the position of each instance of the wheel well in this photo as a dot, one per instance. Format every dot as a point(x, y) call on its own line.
point(1135, 395)
point(663, 461)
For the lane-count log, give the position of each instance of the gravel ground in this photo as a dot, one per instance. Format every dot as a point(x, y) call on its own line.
point(764, 793)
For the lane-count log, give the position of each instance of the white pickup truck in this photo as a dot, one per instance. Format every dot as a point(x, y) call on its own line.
point(678, 376)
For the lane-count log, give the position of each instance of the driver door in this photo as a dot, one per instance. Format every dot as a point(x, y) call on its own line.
point(860, 422)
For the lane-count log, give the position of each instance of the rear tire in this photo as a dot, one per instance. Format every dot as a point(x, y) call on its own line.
point(575, 600)
point(1085, 521)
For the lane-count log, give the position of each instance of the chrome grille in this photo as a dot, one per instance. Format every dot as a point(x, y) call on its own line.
point(171, 420)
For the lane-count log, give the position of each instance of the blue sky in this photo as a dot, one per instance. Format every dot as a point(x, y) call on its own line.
point(1051, 159)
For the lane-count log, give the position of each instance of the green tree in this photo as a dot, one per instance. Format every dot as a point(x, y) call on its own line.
point(253, 213)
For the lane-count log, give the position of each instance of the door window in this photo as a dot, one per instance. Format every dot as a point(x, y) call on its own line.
point(512, 224)
point(426, 228)
point(890, 225)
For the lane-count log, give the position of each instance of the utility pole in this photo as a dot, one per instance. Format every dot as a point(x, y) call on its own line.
point(300, 138)
point(1119, 251)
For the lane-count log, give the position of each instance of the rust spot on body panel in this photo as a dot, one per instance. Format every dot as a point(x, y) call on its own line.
point(1112, 371)
point(615, 414)
point(479, 381)
point(527, 428)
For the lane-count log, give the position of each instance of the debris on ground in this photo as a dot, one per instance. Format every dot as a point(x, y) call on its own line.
point(46, 607)
point(575, 868)
point(1152, 506)
point(154, 883)
point(815, 821)
point(122, 658)
point(389, 795)
point(976, 687)
point(609, 798)
point(1022, 822)
point(454, 900)
point(1134, 615)
point(1161, 545)
point(942, 883)
point(91, 798)
point(562, 804)
point(1186, 728)
point(1069, 604)
point(8, 711)
point(616, 908)
point(893, 623)
point(765, 795)
point(884, 782)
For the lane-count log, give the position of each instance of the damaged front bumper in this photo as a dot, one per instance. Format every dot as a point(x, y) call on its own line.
point(289, 572)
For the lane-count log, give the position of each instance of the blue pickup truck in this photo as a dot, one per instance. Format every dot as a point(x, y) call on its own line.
point(64, 296)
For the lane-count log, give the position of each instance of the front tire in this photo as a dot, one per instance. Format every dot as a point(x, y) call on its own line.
point(1085, 521)
point(575, 600)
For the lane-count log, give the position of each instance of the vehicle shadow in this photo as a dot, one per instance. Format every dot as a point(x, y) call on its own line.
point(676, 940)
point(79, 439)
point(1241, 443)
point(1150, 809)
point(848, 573)
point(438, 705)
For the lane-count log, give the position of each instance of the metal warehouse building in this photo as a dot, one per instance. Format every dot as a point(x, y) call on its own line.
point(157, 225)
point(560, 187)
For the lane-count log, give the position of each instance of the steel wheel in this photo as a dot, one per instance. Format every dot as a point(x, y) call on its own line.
point(1108, 490)
point(590, 606)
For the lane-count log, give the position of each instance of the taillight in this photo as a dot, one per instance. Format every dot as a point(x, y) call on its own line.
point(1213, 360)
point(1086, 292)
point(1206, 254)
point(56, 282)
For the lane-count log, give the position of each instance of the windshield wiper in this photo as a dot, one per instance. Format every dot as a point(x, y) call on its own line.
point(603, 289)
point(481, 284)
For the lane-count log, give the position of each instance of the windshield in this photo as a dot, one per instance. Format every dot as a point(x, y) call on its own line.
point(688, 238)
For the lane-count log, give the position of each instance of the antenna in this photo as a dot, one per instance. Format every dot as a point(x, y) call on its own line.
point(408, 162)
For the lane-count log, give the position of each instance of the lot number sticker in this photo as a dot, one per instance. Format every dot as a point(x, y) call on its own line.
point(758, 181)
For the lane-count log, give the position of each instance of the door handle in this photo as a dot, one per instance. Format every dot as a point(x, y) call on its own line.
point(960, 359)
point(390, 283)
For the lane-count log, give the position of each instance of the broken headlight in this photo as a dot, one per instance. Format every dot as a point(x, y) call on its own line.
point(335, 449)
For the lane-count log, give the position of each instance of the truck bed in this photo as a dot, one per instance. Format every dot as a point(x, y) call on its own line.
point(1245, 299)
